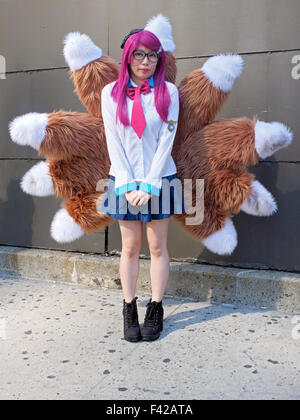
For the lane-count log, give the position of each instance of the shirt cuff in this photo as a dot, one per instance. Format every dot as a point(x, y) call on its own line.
point(126, 188)
point(149, 188)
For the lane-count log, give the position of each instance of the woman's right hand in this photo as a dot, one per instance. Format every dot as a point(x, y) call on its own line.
point(137, 197)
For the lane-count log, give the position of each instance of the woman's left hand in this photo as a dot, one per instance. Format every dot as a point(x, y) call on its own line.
point(143, 197)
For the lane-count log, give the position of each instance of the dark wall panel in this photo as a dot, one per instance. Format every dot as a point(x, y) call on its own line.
point(264, 32)
point(26, 220)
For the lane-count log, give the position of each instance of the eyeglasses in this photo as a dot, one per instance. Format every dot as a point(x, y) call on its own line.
point(152, 56)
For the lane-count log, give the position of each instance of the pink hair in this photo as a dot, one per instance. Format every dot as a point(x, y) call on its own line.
point(162, 98)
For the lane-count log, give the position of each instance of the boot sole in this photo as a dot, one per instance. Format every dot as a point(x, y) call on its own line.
point(132, 339)
point(152, 337)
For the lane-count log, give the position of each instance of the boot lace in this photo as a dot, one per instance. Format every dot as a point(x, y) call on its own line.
point(131, 314)
point(152, 315)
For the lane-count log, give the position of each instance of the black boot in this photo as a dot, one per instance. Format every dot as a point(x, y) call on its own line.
point(153, 323)
point(132, 330)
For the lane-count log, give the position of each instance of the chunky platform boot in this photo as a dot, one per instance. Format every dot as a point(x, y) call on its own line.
point(153, 323)
point(132, 330)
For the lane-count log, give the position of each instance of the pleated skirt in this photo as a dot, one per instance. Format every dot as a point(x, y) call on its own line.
point(170, 201)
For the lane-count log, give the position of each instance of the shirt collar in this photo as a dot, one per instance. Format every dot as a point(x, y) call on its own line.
point(131, 82)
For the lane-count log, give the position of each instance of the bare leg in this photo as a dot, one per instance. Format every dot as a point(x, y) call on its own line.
point(157, 232)
point(132, 233)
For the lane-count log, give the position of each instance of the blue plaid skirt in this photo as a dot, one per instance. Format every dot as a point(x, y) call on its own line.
point(170, 201)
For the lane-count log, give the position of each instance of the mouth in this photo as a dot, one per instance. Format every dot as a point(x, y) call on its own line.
point(144, 70)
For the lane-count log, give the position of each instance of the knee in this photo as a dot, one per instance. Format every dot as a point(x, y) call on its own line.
point(131, 250)
point(157, 250)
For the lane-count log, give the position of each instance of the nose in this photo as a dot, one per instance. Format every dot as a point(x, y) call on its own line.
point(145, 58)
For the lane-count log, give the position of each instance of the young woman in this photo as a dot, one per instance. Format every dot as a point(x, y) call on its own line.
point(140, 114)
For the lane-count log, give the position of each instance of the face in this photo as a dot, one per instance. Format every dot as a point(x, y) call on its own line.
point(142, 69)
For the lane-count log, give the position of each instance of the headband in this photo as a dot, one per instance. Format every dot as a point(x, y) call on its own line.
point(134, 31)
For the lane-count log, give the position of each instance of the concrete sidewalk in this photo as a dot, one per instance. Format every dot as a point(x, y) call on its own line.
point(64, 341)
point(273, 290)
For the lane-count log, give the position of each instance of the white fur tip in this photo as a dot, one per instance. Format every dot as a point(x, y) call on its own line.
point(260, 201)
point(64, 228)
point(37, 181)
point(224, 241)
point(223, 69)
point(271, 137)
point(160, 26)
point(79, 50)
point(29, 129)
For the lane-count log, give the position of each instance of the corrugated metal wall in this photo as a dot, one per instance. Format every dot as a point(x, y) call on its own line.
point(264, 32)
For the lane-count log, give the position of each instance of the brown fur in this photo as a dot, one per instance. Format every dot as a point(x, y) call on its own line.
point(229, 143)
point(226, 182)
point(83, 209)
point(171, 68)
point(72, 176)
point(73, 133)
point(90, 80)
point(199, 104)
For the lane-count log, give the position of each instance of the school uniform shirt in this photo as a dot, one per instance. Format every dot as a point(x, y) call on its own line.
point(146, 159)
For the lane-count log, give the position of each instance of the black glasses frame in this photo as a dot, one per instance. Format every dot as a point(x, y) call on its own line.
point(147, 54)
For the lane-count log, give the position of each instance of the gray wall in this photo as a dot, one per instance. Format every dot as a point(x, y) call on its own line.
point(264, 32)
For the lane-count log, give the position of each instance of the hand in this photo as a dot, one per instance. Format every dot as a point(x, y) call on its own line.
point(137, 197)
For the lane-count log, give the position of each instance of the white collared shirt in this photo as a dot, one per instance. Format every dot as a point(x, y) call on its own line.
point(146, 159)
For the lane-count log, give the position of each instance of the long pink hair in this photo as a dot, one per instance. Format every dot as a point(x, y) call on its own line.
point(162, 98)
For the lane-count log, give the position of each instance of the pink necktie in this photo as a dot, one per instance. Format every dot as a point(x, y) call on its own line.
point(138, 121)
